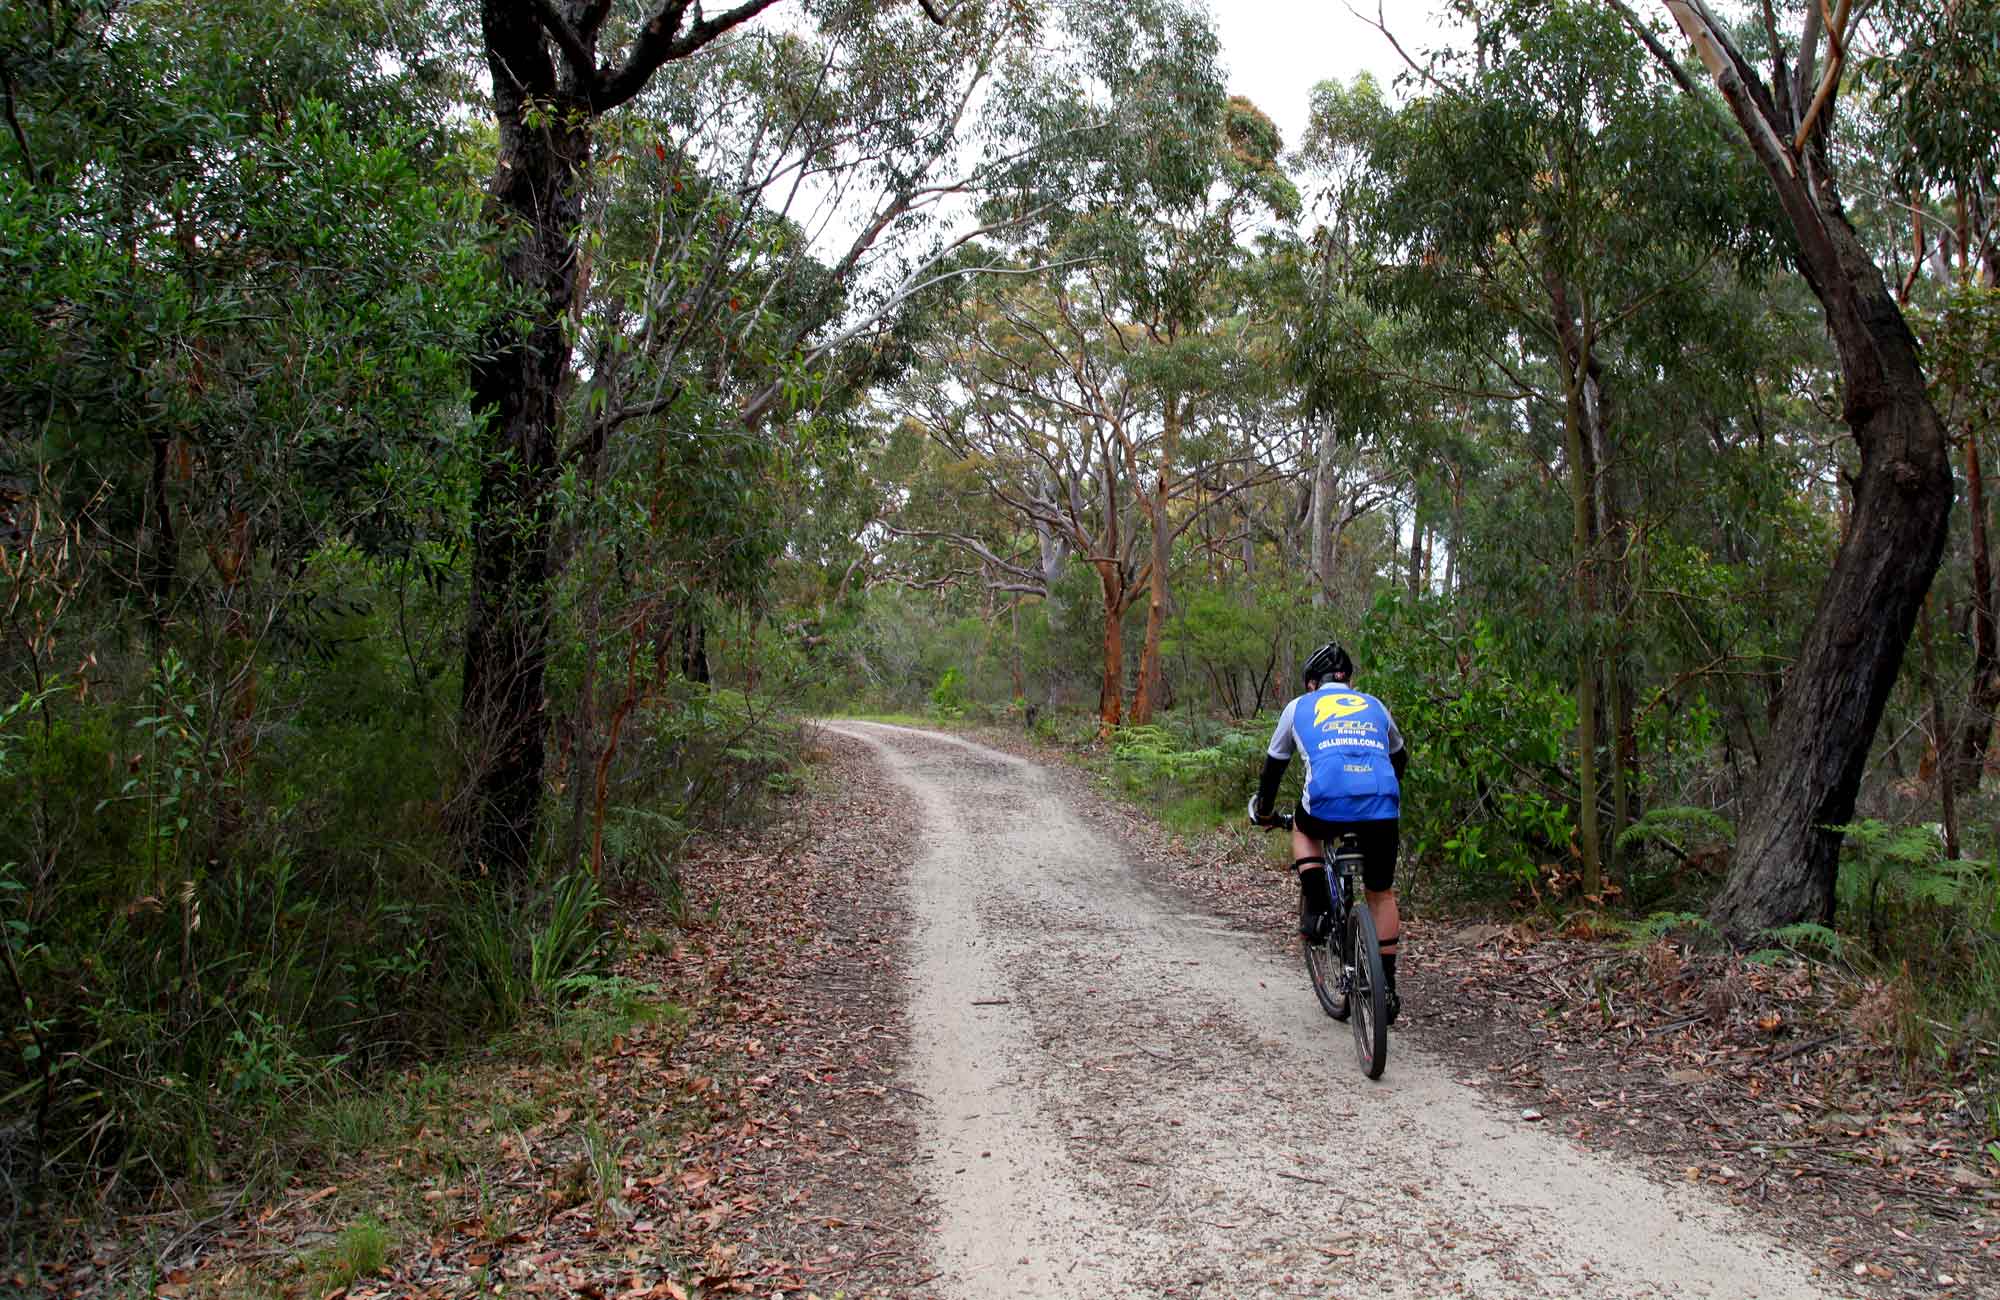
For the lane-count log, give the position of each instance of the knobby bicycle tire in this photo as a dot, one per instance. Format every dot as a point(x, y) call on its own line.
point(1323, 968)
point(1371, 996)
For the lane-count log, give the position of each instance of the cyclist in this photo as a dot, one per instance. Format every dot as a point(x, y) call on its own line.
point(1355, 760)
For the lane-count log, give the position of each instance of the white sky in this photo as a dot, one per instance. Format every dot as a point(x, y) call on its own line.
point(1276, 51)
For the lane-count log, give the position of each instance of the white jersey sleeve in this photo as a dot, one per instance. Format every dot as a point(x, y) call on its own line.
point(1284, 741)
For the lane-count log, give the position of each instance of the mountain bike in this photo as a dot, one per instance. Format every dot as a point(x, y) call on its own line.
point(1344, 959)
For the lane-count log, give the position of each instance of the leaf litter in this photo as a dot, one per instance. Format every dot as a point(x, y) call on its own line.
point(744, 1140)
point(759, 1144)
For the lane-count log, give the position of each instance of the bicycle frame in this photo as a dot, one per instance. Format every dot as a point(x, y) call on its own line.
point(1334, 958)
point(1343, 884)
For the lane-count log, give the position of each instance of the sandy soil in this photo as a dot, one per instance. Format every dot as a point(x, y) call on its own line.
point(1123, 1097)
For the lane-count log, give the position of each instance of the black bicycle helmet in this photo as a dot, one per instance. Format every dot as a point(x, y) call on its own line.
point(1328, 663)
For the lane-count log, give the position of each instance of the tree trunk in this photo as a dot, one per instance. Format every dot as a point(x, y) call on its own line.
point(1415, 577)
point(545, 109)
point(1321, 529)
point(1788, 850)
point(1983, 702)
point(517, 388)
point(1612, 590)
point(1146, 698)
point(1579, 447)
point(1940, 739)
point(1111, 690)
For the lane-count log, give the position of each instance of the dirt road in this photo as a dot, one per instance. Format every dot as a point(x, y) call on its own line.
point(1122, 1098)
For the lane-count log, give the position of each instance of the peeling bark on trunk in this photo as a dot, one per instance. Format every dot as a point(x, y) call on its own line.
point(1111, 689)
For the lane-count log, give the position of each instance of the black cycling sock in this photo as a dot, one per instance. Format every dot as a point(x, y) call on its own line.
point(1312, 884)
point(1389, 971)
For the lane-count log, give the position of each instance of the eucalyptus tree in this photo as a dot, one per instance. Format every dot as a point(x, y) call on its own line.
point(1786, 858)
point(1934, 91)
point(1193, 183)
point(1029, 393)
point(1545, 199)
point(1143, 234)
point(861, 101)
point(1329, 326)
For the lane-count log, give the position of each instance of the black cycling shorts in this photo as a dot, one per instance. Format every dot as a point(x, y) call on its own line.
point(1377, 839)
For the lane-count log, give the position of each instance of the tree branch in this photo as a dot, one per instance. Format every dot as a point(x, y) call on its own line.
point(1738, 82)
point(1781, 93)
point(593, 19)
point(977, 548)
point(1660, 53)
point(575, 52)
point(661, 41)
point(1381, 24)
point(1836, 59)
point(602, 428)
point(28, 167)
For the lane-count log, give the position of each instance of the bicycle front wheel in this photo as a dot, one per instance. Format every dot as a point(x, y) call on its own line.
point(1370, 1020)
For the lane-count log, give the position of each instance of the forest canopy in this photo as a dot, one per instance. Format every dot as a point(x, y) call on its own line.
point(447, 449)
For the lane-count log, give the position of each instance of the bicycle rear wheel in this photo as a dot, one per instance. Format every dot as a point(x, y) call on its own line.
point(1323, 968)
point(1371, 995)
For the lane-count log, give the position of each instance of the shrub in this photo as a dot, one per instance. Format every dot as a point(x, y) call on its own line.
point(948, 697)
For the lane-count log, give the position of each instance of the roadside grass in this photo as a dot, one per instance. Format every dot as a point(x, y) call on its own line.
point(1193, 815)
point(480, 1151)
point(361, 1249)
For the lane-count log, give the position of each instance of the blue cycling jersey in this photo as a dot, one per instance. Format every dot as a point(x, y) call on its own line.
point(1346, 737)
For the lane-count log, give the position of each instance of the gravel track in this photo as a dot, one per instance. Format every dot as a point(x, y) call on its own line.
point(1123, 1097)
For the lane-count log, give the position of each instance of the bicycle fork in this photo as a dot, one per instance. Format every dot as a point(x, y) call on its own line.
point(1340, 939)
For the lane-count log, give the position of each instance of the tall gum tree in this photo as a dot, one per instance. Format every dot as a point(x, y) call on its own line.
point(1787, 852)
point(1142, 241)
point(1936, 96)
point(551, 91)
point(1546, 195)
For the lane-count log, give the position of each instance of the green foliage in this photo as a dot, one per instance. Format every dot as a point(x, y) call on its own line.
point(948, 697)
point(1938, 85)
point(572, 941)
point(1200, 782)
point(535, 953)
point(1665, 839)
point(1230, 640)
point(1885, 866)
point(1659, 925)
point(1790, 940)
point(360, 1251)
point(1488, 735)
point(604, 1007)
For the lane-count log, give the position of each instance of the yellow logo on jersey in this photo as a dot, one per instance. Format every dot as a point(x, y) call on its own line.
point(1337, 706)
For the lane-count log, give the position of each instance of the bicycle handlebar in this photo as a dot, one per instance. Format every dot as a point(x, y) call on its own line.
point(1275, 822)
